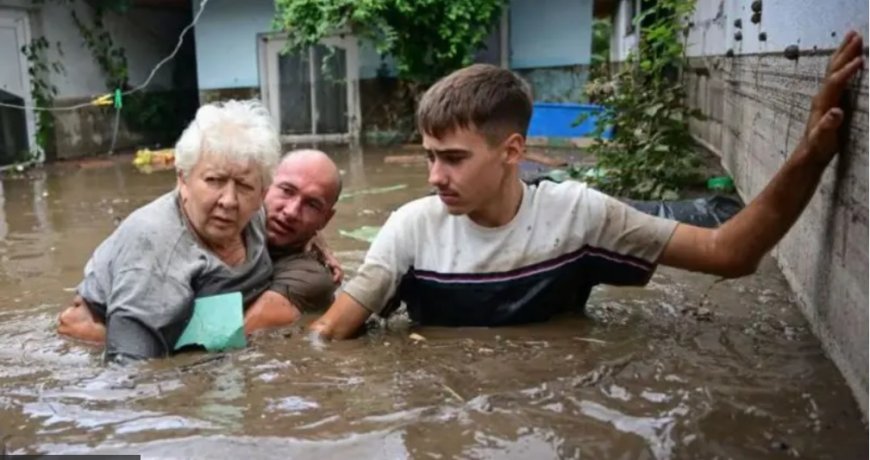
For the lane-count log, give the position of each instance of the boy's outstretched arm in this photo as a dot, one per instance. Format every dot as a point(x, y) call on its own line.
point(736, 248)
point(343, 319)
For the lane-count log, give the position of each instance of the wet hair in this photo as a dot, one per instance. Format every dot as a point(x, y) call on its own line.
point(239, 131)
point(494, 101)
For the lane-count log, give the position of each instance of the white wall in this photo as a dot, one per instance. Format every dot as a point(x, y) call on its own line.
point(786, 22)
point(711, 27)
point(226, 42)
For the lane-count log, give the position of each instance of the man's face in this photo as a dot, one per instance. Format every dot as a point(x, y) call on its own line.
point(466, 170)
point(299, 203)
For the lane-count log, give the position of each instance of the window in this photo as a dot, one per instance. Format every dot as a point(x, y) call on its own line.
point(631, 14)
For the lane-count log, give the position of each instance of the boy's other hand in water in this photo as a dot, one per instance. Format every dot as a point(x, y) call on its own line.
point(317, 340)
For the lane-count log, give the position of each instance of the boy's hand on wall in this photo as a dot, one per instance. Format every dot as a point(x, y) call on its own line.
point(825, 113)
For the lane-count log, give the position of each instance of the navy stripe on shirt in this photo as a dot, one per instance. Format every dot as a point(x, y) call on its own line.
point(523, 295)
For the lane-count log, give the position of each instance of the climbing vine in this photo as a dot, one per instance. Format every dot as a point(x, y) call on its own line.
point(42, 91)
point(111, 58)
point(599, 61)
point(146, 112)
point(652, 154)
point(427, 38)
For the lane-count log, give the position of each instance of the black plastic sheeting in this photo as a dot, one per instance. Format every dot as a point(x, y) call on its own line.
point(709, 212)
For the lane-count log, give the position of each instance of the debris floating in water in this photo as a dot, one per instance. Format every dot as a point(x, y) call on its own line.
point(366, 233)
point(590, 340)
point(152, 160)
point(372, 191)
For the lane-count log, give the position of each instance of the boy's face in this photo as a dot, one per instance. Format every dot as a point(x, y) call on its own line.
point(467, 171)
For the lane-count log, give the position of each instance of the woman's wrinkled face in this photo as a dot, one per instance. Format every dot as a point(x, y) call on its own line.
point(220, 198)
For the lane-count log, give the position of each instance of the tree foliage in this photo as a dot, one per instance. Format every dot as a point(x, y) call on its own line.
point(42, 90)
point(427, 38)
point(600, 59)
point(652, 152)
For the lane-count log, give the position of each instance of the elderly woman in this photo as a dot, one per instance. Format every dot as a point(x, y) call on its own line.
point(205, 237)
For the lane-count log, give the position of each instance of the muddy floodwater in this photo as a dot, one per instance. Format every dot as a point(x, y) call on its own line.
point(685, 368)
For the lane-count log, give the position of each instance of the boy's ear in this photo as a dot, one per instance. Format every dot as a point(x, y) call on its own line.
point(515, 148)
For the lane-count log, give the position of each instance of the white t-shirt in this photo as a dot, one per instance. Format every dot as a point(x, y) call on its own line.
point(565, 239)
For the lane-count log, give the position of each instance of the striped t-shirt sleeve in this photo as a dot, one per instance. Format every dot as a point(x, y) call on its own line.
point(386, 262)
point(625, 242)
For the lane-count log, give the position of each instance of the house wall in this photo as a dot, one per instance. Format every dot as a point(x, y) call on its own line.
point(622, 41)
point(226, 48)
point(147, 36)
point(226, 42)
point(756, 105)
point(551, 45)
point(550, 33)
point(17, 126)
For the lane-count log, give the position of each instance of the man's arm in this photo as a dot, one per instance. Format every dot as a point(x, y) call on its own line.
point(376, 281)
point(270, 310)
point(299, 283)
point(318, 246)
point(343, 319)
point(736, 248)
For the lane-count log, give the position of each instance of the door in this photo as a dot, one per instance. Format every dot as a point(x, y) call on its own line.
point(17, 125)
point(313, 95)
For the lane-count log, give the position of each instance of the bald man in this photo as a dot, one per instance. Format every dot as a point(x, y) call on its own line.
point(299, 203)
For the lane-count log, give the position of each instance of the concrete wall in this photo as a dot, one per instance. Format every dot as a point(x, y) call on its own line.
point(147, 36)
point(557, 84)
point(757, 103)
point(809, 25)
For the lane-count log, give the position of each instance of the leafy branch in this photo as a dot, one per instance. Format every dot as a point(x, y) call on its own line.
point(427, 38)
point(42, 91)
point(652, 154)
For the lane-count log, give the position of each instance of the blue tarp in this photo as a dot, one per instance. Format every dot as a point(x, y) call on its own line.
point(551, 119)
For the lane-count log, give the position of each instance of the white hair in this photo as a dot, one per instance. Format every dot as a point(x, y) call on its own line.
point(239, 131)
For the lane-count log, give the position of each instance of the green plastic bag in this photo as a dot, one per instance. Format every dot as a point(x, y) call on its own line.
point(366, 233)
point(217, 323)
point(372, 191)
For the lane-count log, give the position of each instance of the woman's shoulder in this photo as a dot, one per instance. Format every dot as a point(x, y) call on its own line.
point(158, 221)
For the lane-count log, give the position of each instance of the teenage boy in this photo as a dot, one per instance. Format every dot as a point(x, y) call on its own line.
point(489, 250)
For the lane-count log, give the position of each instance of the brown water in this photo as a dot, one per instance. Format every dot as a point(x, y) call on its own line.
point(686, 368)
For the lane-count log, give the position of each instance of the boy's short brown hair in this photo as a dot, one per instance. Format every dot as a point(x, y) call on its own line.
point(494, 101)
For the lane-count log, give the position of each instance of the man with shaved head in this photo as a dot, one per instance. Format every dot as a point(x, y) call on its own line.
point(299, 203)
